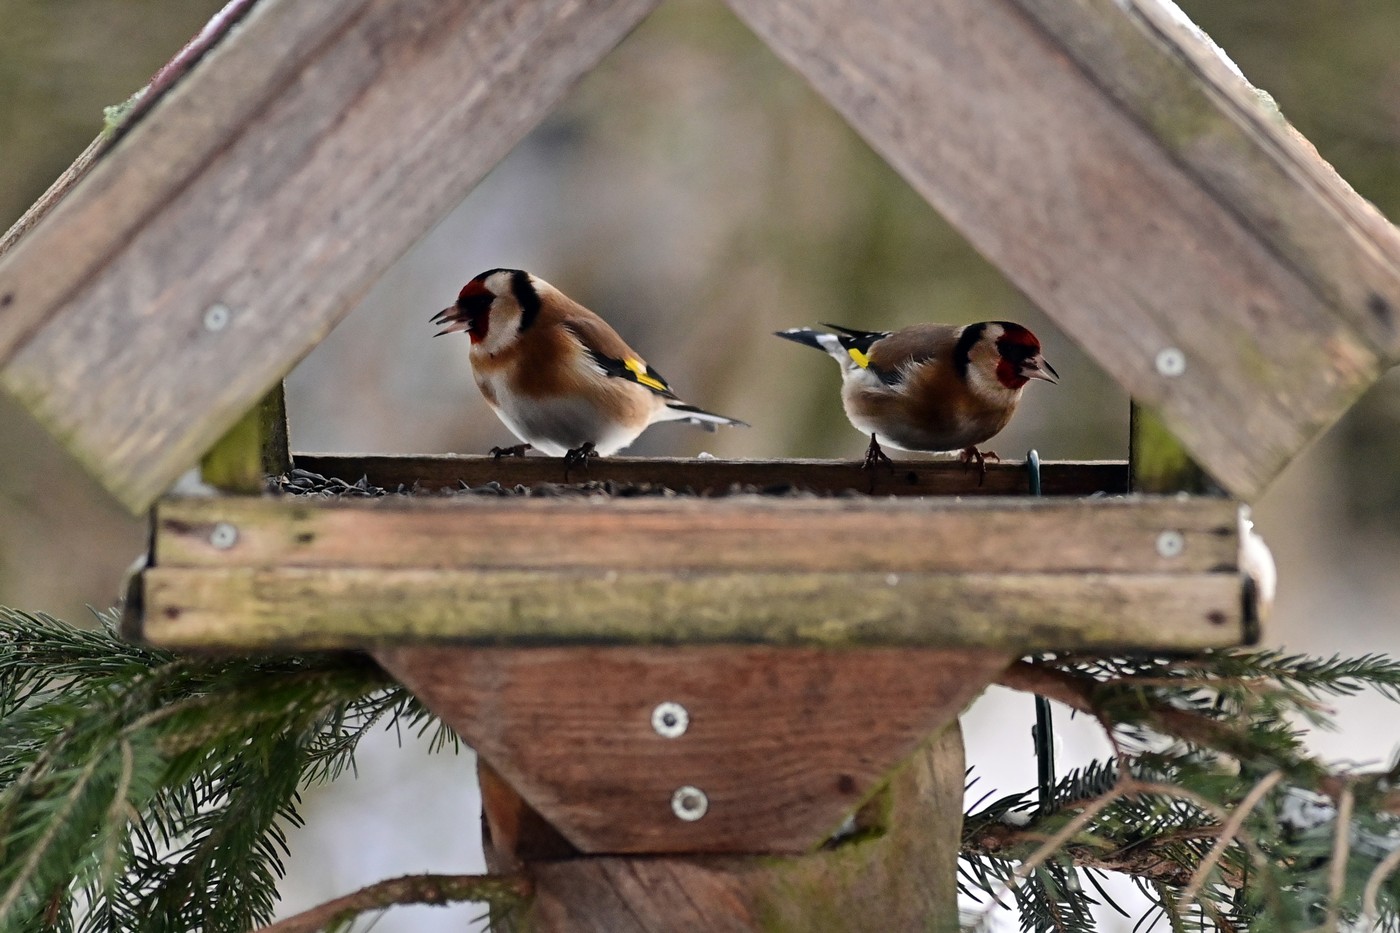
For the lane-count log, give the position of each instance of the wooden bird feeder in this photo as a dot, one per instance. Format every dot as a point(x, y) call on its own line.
point(676, 721)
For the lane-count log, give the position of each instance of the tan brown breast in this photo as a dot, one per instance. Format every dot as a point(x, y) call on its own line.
point(932, 408)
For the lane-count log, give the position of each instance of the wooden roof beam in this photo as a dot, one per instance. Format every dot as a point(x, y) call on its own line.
point(277, 181)
point(1098, 151)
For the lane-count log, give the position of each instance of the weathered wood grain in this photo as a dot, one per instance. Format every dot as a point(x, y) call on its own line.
point(279, 178)
point(513, 832)
point(188, 129)
point(1177, 213)
point(254, 448)
point(742, 533)
point(166, 78)
point(1232, 138)
point(902, 879)
point(1157, 463)
point(1086, 210)
point(912, 477)
point(303, 609)
point(785, 744)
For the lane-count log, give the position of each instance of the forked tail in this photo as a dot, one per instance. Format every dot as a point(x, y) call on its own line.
point(849, 348)
point(699, 416)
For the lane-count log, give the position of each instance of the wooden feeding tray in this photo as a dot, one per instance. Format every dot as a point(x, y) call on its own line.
point(812, 634)
point(1058, 572)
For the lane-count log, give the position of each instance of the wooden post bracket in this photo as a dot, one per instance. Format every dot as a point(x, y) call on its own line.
point(899, 875)
point(767, 750)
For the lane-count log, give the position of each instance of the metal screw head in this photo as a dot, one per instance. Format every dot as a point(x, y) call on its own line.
point(670, 720)
point(1171, 362)
point(689, 803)
point(224, 536)
point(216, 317)
point(1170, 543)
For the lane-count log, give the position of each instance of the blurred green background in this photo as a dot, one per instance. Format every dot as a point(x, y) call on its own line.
point(699, 196)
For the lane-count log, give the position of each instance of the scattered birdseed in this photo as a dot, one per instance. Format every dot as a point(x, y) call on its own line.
point(306, 483)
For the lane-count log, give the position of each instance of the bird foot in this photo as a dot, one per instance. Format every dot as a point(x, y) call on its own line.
point(579, 455)
point(518, 450)
point(874, 457)
point(971, 455)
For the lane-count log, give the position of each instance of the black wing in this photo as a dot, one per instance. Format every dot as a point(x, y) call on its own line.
point(858, 343)
point(633, 370)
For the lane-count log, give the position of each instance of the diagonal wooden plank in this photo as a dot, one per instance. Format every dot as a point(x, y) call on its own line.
point(1168, 75)
point(342, 153)
point(121, 188)
point(1087, 211)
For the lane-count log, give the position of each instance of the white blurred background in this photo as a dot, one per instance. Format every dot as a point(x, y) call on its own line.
point(700, 196)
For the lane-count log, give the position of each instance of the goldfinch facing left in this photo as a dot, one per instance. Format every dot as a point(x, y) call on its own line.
point(555, 373)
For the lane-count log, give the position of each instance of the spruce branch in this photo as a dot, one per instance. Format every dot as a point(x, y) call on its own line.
point(154, 791)
point(147, 792)
point(1087, 694)
point(1217, 810)
point(1341, 850)
point(1229, 830)
point(1386, 868)
point(500, 891)
point(1049, 847)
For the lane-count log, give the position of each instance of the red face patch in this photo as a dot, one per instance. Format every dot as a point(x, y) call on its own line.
point(1018, 336)
point(1014, 347)
point(1008, 374)
point(473, 289)
point(474, 306)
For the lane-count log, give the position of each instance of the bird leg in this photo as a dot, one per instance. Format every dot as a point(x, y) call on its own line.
point(970, 455)
point(873, 456)
point(517, 450)
point(574, 457)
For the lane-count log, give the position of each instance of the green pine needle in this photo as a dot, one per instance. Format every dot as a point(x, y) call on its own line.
point(141, 791)
point(147, 792)
point(1246, 706)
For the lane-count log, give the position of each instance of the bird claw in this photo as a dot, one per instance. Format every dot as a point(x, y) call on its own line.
point(874, 456)
point(576, 456)
point(518, 450)
point(970, 455)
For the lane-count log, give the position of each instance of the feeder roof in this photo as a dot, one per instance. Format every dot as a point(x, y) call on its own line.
point(1103, 153)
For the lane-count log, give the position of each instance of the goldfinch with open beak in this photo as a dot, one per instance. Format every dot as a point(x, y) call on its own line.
point(931, 387)
point(555, 373)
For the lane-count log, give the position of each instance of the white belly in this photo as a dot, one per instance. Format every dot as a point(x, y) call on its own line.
point(558, 426)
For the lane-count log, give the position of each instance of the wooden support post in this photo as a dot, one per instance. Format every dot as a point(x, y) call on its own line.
point(256, 446)
point(897, 872)
point(791, 789)
point(1157, 461)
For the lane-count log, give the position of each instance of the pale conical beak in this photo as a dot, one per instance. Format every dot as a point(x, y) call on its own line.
point(1037, 368)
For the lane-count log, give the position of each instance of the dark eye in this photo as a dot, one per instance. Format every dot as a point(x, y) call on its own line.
point(476, 304)
point(1015, 352)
